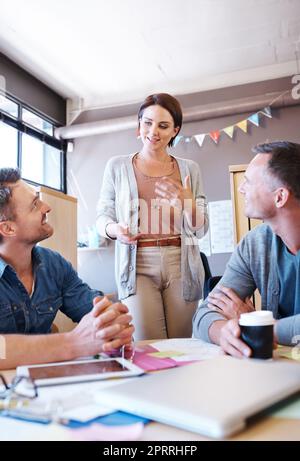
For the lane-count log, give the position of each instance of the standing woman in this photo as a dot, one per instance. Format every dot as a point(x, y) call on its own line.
point(153, 205)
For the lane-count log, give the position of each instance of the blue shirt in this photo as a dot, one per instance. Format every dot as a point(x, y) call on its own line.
point(56, 287)
point(288, 267)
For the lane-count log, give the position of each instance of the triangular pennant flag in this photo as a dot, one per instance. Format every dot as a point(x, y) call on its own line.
point(242, 125)
point(177, 140)
point(267, 111)
point(215, 135)
point(200, 138)
point(254, 118)
point(229, 130)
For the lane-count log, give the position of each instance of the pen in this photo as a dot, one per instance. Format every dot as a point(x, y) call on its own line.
point(24, 415)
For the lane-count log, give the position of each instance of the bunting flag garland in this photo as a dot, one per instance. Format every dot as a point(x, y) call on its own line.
point(177, 140)
point(215, 135)
point(254, 118)
point(229, 130)
point(200, 138)
point(267, 111)
point(242, 125)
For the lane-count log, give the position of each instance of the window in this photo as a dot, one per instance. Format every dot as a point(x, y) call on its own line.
point(37, 122)
point(8, 146)
point(9, 106)
point(27, 141)
point(40, 162)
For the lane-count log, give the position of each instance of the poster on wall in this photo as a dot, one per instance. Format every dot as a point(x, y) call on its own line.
point(221, 226)
point(204, 244)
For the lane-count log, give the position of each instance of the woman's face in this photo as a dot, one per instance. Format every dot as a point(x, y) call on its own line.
point(156, 128)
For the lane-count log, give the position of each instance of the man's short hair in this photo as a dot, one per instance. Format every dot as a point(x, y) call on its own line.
point(8, 176)
point(284, 163)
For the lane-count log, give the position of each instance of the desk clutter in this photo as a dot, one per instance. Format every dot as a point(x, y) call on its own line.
point(172, 353)
point(80, 411)
point(94, 431)
point(73, 406)
point(73, 409)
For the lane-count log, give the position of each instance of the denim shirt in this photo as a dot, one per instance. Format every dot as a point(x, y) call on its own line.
point(56, 287)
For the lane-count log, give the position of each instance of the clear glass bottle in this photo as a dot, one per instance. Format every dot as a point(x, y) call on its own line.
point(124, 352)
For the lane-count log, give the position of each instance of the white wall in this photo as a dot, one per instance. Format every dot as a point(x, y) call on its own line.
point(85, 172)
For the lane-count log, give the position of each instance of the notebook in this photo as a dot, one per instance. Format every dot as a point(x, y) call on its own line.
point(213, 397)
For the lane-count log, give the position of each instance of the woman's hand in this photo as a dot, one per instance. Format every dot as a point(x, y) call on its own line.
point(178, 196)
point(173, 193)
point(122, 233)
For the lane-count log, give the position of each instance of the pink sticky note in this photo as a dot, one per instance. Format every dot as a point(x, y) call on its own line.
point(150, 363)
point(143, 358)
point(101, 432)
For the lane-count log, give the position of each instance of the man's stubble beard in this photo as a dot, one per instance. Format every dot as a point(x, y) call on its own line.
point(41, 238)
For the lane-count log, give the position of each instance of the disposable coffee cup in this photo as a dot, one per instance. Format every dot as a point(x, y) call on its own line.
point(257, 331)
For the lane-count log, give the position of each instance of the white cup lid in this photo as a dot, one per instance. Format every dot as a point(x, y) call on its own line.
point(257, 318)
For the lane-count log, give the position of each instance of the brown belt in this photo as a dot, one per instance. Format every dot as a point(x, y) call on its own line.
point(176, 242)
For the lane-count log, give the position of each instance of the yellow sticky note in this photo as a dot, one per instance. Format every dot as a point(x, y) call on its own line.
point(166, 354)
point(289, 352)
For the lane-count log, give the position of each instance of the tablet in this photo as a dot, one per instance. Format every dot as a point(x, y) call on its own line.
point(79, 371)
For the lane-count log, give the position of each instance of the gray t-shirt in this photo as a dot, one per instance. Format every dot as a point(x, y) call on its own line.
point(288, 267)
point(253, 265)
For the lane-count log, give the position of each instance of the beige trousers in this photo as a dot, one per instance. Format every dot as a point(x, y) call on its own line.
point(158, 308)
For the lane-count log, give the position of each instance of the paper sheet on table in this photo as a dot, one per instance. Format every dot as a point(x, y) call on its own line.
point(74, 401)
point(190, 349)
point(12, 430)
point(289, 411)
point(86, 412)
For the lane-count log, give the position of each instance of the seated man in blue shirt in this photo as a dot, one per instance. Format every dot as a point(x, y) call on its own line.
point(268, 257)
point(36, 282)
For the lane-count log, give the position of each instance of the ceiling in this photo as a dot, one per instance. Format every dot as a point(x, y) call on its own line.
point(102, 53)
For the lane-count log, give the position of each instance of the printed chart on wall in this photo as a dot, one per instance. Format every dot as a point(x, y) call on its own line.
point(219, 238)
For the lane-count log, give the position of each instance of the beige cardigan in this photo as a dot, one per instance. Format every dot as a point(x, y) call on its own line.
point(119, 202)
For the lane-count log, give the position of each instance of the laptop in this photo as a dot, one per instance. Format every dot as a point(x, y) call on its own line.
point(213, 397)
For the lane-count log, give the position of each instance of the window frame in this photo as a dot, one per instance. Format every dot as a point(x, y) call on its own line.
point(26, 128)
